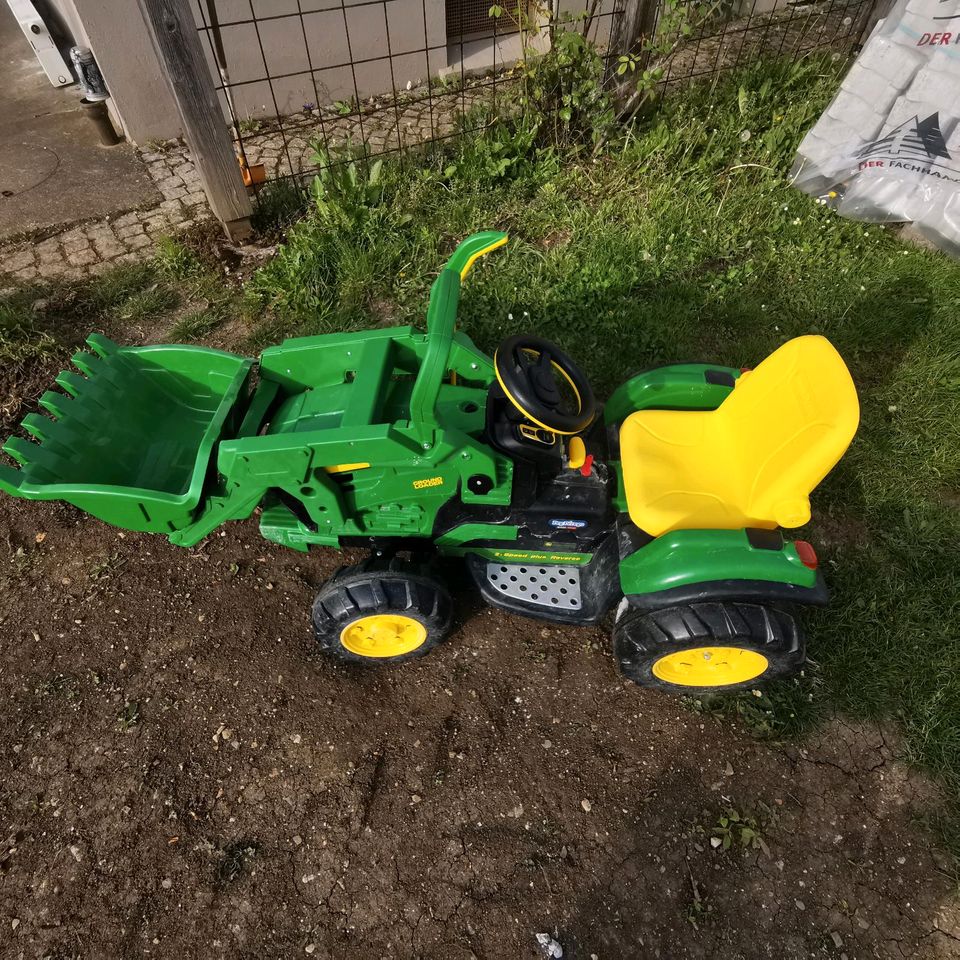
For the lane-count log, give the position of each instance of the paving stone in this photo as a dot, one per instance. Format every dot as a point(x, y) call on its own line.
point(17, 260)
point(51, 269)
point(100, 233)
point(126, 220)
point(82, 258)
point(92, 248)
point(172, 208)
point(75, 245)
point(131, 230)
point(108, 249)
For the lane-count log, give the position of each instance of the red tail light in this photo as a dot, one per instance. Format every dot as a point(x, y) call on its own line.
point(806, 553)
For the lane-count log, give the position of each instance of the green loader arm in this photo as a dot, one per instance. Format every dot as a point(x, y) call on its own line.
point(442, 320)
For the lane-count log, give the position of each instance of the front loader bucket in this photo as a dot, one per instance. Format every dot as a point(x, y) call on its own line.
point(130, 438)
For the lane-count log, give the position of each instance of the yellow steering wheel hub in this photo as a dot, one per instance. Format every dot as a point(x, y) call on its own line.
point(383, 635)
point(710, 666)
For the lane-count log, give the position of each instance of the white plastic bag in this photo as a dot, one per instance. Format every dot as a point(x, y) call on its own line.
point(887, 149)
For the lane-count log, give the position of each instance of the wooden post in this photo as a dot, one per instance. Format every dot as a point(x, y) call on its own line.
point(177, 42)
point(636, 24)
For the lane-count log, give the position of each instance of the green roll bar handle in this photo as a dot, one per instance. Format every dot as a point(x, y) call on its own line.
point(442, 320)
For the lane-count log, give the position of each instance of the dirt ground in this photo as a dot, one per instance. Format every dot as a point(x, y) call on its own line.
point(181, 775)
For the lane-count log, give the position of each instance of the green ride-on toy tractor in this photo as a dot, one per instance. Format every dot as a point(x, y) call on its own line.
point(666, 505)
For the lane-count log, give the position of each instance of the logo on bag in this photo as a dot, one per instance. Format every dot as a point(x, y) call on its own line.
point(915, 145)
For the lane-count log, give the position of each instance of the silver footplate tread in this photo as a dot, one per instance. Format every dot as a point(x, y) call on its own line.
point(551, 587)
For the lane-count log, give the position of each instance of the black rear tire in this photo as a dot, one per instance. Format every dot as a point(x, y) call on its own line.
point(707, 647)
point(359, 608)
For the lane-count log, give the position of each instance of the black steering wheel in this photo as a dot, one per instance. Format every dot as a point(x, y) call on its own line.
point(527, 369)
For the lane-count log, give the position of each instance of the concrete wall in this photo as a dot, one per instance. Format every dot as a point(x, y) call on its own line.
point(311, 63)
point(391, 45)
point(140, 97)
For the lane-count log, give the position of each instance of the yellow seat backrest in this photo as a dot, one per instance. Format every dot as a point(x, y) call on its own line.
point(755, 459)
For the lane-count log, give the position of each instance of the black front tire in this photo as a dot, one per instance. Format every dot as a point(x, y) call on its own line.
point(393, 591)
point(678, 649)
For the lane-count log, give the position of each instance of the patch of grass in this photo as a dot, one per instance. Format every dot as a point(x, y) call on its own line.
point(114, 289)
point(209, 300)
point(21, 339)
point(685, 240)
point(45, 319)
point(157, 299)
point(176, 260)
point(279, 204)
point(197, 323)
point(59, 685)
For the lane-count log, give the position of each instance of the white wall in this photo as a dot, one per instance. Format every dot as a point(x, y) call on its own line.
point(306, 69)
point(316, 53)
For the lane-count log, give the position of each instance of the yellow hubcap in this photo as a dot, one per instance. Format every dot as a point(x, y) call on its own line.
point(383, 635)
point(710, 666)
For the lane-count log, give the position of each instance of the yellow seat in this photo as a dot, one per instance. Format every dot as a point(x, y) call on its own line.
point(753, 461)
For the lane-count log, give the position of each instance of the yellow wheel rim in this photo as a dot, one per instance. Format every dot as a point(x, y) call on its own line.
point(383, 635)
point(710, 666)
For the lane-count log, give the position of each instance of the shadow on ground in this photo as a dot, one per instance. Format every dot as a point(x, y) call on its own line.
point(184, 776)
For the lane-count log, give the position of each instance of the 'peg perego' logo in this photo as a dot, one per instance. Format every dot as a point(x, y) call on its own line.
point(430, 482)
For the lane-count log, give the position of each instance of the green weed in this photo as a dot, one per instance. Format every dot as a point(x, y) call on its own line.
point(739, 829)
point(106, 567)
point(129, 717)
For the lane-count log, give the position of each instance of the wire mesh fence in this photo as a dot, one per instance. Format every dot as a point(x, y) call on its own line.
point(305, 85)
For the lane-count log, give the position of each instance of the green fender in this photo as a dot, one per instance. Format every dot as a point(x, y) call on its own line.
point(687, 557)
point(679, 386)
